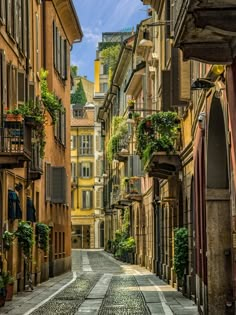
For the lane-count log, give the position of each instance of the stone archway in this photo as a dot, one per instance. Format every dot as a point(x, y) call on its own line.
point(218, 223)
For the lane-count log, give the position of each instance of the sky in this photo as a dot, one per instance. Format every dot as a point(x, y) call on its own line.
point(96, 17)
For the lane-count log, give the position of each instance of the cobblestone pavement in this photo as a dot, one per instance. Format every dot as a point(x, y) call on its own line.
point(101, 285)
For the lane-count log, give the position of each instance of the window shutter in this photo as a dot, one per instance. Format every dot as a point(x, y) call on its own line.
point(3, 79)
point(58, 51)
point(58, 184)
point(47, 181)
point(175, 78)
point(83, 199)
point(91, 199)
point(16, 35)
point(137, 166)
point(185, 78)
point(37, 42)
point(20, 25)
point(79, 169)
point(62, 57)
point(98, 199)
point(54, 44)
point(21, 88)
point(65, 59)
point(97, 167)
point(102, 201)
point(8, 16)
point(9, 85)
point(31, 92)
point(166, 90)
point(2, 11)
point(91, 169)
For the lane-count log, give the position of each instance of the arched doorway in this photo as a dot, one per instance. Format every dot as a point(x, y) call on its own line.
point(218, 218)
point(102, 234)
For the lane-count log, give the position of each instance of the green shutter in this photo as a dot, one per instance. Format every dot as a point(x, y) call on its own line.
point(58, 184)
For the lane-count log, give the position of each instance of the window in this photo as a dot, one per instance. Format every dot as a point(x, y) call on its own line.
point(86, 169)
point(87, 199)
point(86, 145)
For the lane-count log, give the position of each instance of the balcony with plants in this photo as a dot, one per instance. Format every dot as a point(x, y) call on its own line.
point(133, 188)
point(205, 30)
point(118, 144)
point(158, 142)
point(22, 130)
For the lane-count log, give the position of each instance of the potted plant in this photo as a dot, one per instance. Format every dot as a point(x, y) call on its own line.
point(13, 115)
point(8, 281)
point(24, 234)
point(131, 102)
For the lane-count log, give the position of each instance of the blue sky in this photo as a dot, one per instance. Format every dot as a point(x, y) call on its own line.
point(97, 16)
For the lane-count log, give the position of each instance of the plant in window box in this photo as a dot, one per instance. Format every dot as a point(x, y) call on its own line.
point(13, 115)
point(8, 281)
point(131, 102)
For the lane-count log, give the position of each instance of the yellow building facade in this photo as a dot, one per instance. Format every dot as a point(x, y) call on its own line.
point(82, 178)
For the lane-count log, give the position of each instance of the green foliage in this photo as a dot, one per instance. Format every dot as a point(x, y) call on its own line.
point(123, 242)
point(181, 251)
point(79, 96)
point(42, 236)
point(73, 70)
point(49, 100)
point(24, 234)
point(8, 239)
point(157, 132)
point(119, 131)
point(7, 278)
point(110, 56)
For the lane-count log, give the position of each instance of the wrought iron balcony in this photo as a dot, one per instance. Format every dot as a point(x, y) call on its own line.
point(205, 30)
point(15, 144)
point(122, 150)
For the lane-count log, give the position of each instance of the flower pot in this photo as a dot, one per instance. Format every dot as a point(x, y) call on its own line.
point(14, 117)
point(9, 289)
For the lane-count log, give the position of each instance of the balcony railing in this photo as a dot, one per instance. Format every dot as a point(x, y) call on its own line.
point(15, 144)
point(133, 188)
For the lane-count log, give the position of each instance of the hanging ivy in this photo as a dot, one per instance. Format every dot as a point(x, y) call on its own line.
point(181, 251)
point(42, 236)
point(119, 131)
point(49, 99)
point(24, 234)
point(8, 239)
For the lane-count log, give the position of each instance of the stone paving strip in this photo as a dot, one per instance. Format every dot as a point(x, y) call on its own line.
point(123, 298)
point(162, 299)
point(68, 300)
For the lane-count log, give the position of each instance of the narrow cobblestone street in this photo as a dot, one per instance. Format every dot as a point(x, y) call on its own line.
point(101, 285)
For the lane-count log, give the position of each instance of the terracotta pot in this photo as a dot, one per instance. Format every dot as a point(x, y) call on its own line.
point(14, 117)
point(10, 288)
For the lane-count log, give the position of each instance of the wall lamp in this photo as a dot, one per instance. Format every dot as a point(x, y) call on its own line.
point(146, 42)
point(202, 84)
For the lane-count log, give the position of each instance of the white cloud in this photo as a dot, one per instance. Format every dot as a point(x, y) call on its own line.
point(92, 36)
